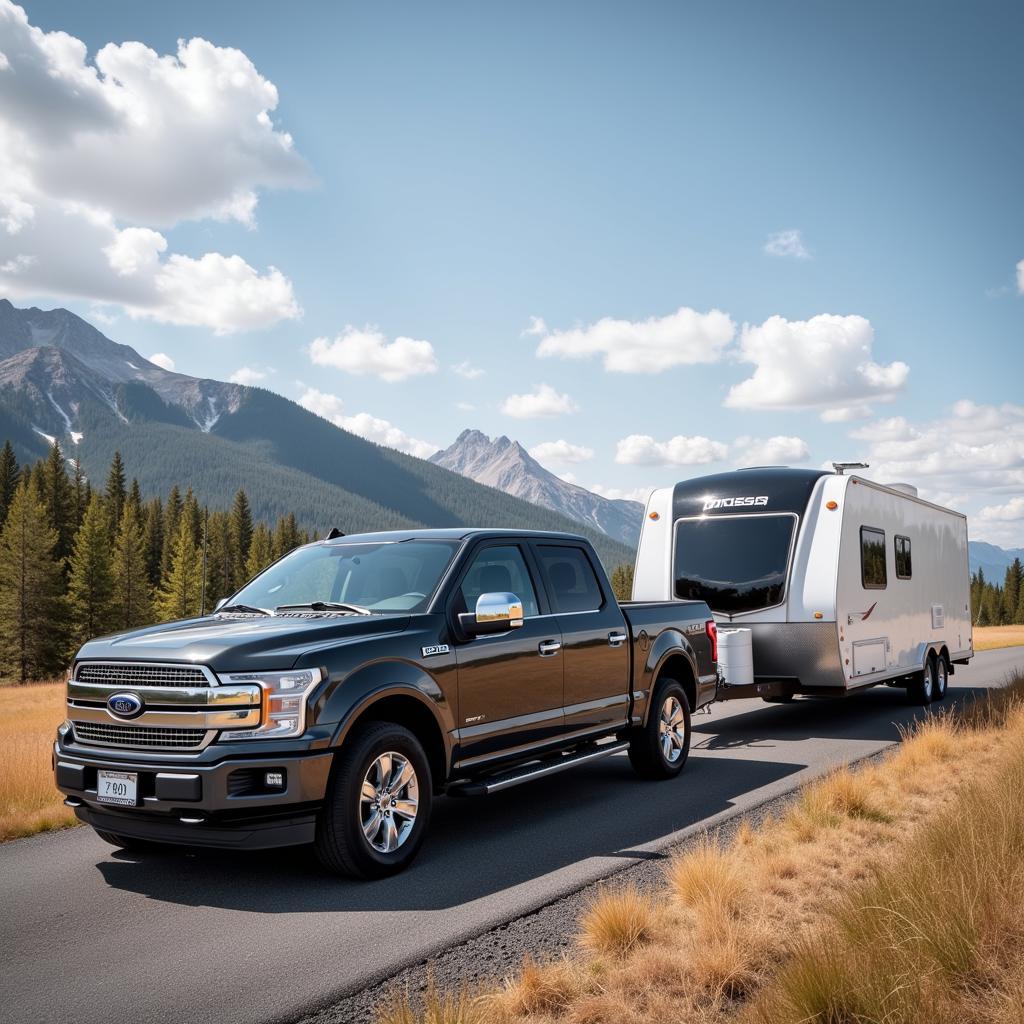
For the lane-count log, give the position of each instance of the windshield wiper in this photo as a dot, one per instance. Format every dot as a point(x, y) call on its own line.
point(324, 606)
point(247, 609)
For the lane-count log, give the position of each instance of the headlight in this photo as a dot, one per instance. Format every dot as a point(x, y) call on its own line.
point(284, 702)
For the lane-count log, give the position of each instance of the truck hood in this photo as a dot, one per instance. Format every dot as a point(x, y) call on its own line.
point(240, 644)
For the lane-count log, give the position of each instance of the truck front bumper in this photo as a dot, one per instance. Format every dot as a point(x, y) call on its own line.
point(250, 803)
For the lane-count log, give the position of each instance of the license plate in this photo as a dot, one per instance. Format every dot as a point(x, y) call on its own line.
point(117, 788)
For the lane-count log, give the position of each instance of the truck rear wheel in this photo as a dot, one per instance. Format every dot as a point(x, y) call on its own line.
point(659, 749)
point(921, 690)
point(377, 808)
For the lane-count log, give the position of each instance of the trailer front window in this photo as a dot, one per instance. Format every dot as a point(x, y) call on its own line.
point(735, 563)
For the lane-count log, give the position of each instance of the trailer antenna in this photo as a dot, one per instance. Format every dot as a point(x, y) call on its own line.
point(841, 467)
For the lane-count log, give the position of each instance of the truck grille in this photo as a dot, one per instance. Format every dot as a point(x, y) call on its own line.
point(138, 736)
point(115, 674)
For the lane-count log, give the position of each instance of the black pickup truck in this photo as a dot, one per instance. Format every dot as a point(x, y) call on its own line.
point(336, 694)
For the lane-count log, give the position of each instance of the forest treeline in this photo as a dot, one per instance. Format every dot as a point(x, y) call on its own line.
point(994, 605)
point(78, 560)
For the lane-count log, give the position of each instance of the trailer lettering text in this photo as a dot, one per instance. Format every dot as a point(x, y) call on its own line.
point(748, 501)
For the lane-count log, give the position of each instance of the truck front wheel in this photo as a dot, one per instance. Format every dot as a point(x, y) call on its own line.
point(377, 807)
point(659, 749)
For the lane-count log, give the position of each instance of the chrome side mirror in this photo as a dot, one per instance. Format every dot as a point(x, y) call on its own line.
point(220, 604)
point(495, 613)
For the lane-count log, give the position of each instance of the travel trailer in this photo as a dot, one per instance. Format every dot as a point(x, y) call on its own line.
point(842, 583)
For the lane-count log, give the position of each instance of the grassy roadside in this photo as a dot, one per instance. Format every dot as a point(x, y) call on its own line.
point(29, 716)
point(989, 638)
point(889, 893)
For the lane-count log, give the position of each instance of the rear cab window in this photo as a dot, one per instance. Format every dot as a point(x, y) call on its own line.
point(571, 581)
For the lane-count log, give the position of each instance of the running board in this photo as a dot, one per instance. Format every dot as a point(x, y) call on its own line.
point(529, 772)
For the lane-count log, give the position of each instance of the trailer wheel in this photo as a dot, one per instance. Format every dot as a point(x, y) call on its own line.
point(659, 749)
point(921, 690)
point(375, 815)
point(941, 677)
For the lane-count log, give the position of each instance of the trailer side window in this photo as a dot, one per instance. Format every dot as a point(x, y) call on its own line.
point(872, 558)
point(903, 563)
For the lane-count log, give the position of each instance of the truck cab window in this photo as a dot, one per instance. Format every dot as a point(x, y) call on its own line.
point(872, 558)
point(904, 567)
point(572, 584)
point(499, 570)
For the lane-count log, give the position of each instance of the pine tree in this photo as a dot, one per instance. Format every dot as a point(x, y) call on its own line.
point(81, 494)
point(58, 496)
point(135, 497)
point(32, 638)
point(1012, 586)
point(241, 532)
point(194, 514)
point(261, 552)
point(286, 535)
point(115, 493)
point(9, 474)
point(172, 515)
point(179, 594)
point(154, 541)
point(220, 562)
point(622, 581)
point(91, 581)
point(133, 602)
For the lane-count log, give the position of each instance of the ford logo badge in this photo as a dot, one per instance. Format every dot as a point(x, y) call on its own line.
point(124, 705)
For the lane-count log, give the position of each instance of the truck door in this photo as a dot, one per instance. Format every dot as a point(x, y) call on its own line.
point(595, 640)
point(510, 684)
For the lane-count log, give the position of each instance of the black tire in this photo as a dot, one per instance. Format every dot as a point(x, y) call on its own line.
point(647, 753)
point(341, 843)
point(941, 678)
point(127, 842)
point(921, 690)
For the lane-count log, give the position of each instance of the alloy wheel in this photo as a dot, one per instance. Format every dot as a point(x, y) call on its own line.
point(672, 729)
point(388, 801)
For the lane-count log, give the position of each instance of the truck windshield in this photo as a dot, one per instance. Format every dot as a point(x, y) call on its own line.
point(393, 576)
point(735, 563)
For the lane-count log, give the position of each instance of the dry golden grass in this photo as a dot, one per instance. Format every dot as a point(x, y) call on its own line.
point(846, 892)
point(988, 638)
point(29, 801)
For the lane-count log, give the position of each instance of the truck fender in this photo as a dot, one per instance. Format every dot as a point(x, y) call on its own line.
point(670, 643)
point(383, 679)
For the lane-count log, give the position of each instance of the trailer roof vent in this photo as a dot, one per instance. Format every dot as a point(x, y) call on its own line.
point(903, 489)
point(842, 467)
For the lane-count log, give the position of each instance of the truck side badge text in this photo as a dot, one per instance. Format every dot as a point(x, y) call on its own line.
point(435, 649)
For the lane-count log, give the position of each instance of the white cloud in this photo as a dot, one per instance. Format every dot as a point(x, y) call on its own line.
point(468, 371)
point(559, 453)
point(640, 494)
point(824, 361)
point(789, 244)
point(771, 451)
point(543, 401)
point(249, 375)
point(1020, 277)
point(162, 359)
point(368, 352)
point(537, 327)
point(94, 155)
point(331, 407)
point(970, 450)
point(682, 338)
point(569, 478)
point(465, 406)
point(643, 450)
point(845, 413)
point(1010, 512)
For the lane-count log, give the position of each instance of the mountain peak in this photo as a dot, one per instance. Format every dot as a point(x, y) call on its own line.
point(505, 464)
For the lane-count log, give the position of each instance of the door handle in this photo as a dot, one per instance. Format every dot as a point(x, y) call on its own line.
point(548, 647)
point(616, 639)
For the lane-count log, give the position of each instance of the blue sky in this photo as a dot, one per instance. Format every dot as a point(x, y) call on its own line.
point(458, 169)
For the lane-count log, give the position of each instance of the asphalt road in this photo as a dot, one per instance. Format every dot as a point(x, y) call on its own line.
point(95, 936)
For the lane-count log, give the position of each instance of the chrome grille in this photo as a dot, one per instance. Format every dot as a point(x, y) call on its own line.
point(138, 736)
point(115, 674)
